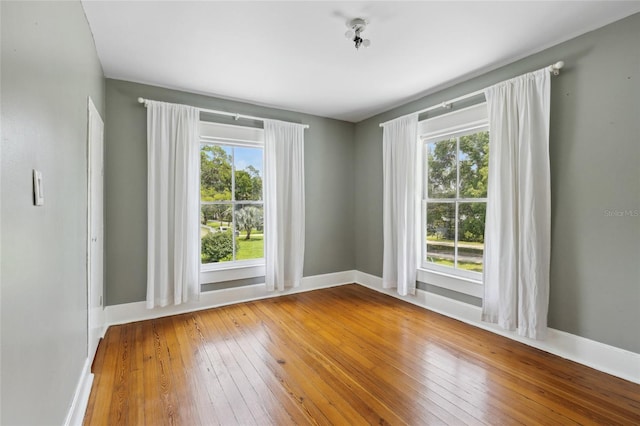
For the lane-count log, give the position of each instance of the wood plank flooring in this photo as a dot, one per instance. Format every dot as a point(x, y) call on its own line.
point(346, 356)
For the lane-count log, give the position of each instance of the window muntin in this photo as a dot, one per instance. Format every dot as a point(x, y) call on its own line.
point(231, 203)
point(454, 201)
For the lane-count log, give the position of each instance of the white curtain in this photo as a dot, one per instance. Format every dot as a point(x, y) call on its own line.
point(518, 222)
point(284, 204)
point(173, 202)
point(401, 203)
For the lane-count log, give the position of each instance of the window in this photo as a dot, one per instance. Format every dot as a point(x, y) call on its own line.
point(456, 161)
point(231, 196)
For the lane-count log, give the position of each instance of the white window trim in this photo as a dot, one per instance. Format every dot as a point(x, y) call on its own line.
point(228, 134)
point(450, 122)
point(239, 270)
point(448, 281)
point(231, 132)
point(473, 119)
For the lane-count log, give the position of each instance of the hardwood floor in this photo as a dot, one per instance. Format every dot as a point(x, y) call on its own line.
point(344, 355)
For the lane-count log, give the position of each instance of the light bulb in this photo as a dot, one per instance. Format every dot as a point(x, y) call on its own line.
point(366, 42)
point(349, 34)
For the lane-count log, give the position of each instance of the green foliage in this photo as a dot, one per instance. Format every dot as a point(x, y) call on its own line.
point(217, 247)
point(222, 183)
point(216, 176)
point(248, 218)
point(248, 184)
point(474, 165)
point(471, 224)
point(211, 212)
point(442, 182)
point(441, 220)
point(215, 173)
point(215, 212)
point(441, 159)
point(256, 183)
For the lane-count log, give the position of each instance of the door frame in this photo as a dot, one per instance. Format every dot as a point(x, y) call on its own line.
point(96, 313)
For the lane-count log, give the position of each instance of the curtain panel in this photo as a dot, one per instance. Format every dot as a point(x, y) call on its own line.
point(284, 211)
point(173, 201)
point(518, 221)
point(401, 203)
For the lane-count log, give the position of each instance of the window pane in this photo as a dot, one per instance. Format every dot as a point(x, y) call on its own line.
point(249, 231)
point(474, 165)
point(248, 173)
point(441, 167)
point(215, 233)
point(215, 173)
point(471, 218)
point(216, 216)
point(441, 233)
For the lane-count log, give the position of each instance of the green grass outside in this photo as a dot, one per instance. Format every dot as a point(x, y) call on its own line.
point(468, 266)
point(217, 224)
point(466, 243)
point(252, 248)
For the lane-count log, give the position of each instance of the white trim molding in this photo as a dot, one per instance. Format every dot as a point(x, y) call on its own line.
point(137, 311)
point(451, 282)
point(209, 275)
point(608, 359)
point(78, 408)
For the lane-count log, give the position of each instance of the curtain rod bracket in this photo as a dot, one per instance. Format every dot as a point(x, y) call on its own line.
point(555, 68)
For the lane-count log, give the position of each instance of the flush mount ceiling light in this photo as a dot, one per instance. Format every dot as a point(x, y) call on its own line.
point(357, 26)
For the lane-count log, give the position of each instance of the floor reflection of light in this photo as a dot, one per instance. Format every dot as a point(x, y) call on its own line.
point(461, 380)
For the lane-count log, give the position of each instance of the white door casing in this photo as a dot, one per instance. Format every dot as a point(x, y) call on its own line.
point(95, 260)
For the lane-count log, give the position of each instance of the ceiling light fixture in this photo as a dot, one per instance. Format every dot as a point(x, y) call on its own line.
point(357, 25)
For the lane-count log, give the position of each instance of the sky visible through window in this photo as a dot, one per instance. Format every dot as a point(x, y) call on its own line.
point(231, 204)
point(455, 208)
point(245, 157)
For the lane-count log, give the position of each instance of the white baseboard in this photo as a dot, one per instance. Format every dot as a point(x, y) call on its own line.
point(609, 359)
point(137, 311)
point(75, 415)
point(606, 358)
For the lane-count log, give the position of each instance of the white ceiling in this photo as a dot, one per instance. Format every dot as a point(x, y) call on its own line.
point(293, 55)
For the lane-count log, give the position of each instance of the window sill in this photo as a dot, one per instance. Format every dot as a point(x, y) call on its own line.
point(462, 285)
point(214, 274)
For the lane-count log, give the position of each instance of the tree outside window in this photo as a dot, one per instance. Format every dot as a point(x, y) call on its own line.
point(231, 214)
point(455, 201)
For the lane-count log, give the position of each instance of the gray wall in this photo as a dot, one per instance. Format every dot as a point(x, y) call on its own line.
point(329, 184)
point(595, 157)
point(49, 67)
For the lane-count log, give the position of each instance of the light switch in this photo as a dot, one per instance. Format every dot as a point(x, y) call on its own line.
point(38, 193)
